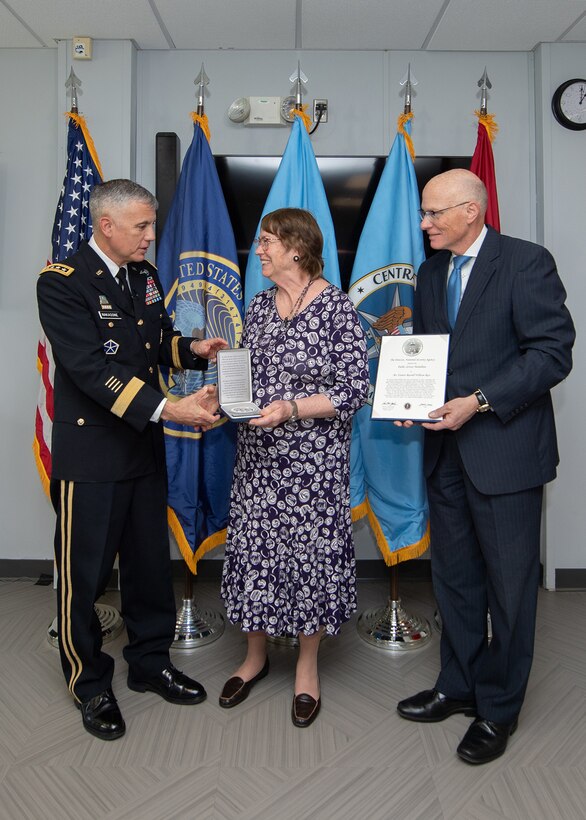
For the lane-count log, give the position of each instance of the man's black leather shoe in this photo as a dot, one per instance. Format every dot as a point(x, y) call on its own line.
point(101, 716)
point(236, 690)
point(172, 685)
point(485, 741)
point(430, 706)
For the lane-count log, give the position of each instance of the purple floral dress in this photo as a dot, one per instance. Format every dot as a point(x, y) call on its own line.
point(289, 563)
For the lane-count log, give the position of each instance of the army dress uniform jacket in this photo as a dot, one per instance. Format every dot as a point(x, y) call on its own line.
point(106, 346)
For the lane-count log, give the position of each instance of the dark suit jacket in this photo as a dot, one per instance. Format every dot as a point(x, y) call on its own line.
point(106, 346)
point(512, 339)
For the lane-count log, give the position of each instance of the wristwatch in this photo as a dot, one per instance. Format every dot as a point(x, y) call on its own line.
point(295, 414)
point(483, 404)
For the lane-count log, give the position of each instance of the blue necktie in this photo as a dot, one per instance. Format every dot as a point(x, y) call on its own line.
point(455, 288)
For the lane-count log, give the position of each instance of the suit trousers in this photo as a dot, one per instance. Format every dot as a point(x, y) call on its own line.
point(484, 557)
point(95, 522)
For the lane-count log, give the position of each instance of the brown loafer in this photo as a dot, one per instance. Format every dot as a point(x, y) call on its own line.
point(236, 690)
point(304, 710)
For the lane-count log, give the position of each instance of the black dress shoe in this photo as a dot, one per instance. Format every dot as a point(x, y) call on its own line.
point(485, 741)
point(430, 706)
point(172, 685)
point(101, 716)
point(304, 710)
point(236, 690)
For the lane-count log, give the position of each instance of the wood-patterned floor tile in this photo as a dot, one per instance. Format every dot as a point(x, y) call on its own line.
point(358, 761)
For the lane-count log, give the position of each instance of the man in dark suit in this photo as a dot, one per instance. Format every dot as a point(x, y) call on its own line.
point(102, 311)
point(488, 456)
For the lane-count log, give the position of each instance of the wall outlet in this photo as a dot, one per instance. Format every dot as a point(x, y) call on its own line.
point(320, 105)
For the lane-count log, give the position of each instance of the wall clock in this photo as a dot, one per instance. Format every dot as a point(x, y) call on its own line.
point(569, 104)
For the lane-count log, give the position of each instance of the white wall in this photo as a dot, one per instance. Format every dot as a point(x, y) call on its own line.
point(562, 172)
point(28, 188)
point(129, 96)
point(364, 98)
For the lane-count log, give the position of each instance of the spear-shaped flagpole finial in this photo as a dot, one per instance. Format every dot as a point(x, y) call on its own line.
point(408, 81)
point(299, 80)
point(484, 84)
point(201, 81)
point(73, 86)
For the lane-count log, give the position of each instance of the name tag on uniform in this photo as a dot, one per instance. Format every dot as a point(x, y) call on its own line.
point(109, 314)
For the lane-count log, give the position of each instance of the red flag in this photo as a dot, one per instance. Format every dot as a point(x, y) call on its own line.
point(483, 165)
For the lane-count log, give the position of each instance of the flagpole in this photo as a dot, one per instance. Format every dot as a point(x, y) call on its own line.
point(111, 623)
point(193, 627)
point(391, 627)
point(299, 80)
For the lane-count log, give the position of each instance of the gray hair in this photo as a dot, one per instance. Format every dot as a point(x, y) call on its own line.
point(116, 193)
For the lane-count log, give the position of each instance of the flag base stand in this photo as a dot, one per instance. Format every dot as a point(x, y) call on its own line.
point(391, 627)
point(195, 627)
point(110, 621)
point(288, 641)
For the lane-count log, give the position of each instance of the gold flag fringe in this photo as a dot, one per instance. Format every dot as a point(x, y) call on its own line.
point(45, 483)
point(80, 122)
point(401, 122)
point(390, 558)
point(304, 116)
point(202, 121)
point(191, 558)
point(489, 123)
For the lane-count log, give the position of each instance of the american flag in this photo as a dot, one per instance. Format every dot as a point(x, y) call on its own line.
point(72, 226)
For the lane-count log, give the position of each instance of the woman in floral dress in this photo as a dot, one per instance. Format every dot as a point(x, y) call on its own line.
point(290, 567)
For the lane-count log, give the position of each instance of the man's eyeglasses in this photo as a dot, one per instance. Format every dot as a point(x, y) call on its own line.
point(265, 241)
point(432, 215)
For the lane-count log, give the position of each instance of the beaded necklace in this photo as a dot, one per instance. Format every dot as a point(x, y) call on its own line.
point(289, 318)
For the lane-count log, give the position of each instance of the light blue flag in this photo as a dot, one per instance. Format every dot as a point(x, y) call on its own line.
point(297, 184)
point(387, 482)
point(199, 272)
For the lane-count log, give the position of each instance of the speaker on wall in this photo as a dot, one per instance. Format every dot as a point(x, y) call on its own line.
point(167, 147)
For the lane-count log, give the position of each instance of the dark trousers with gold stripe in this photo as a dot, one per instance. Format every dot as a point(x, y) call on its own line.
point(96, 521)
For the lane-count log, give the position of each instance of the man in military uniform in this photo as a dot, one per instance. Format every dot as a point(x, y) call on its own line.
point(102, 311)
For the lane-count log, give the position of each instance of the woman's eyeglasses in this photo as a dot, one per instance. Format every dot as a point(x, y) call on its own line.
point(265, 241)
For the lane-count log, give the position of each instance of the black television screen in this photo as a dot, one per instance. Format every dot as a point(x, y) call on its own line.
point(350, 184)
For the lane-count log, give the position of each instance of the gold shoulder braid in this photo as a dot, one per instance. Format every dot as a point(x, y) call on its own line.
point(58, 267)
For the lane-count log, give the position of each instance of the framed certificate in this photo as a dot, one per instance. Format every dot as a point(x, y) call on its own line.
point(235, 384)
point(411, 377)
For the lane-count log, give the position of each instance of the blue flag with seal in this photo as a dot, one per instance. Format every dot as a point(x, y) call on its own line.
point(387, 481)
point(297, 184)
point(199, 272)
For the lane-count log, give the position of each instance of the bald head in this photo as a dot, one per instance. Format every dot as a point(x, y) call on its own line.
point(460, 185)
point(456, 202)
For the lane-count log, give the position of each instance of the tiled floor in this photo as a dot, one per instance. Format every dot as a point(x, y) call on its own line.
point(359, 760)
